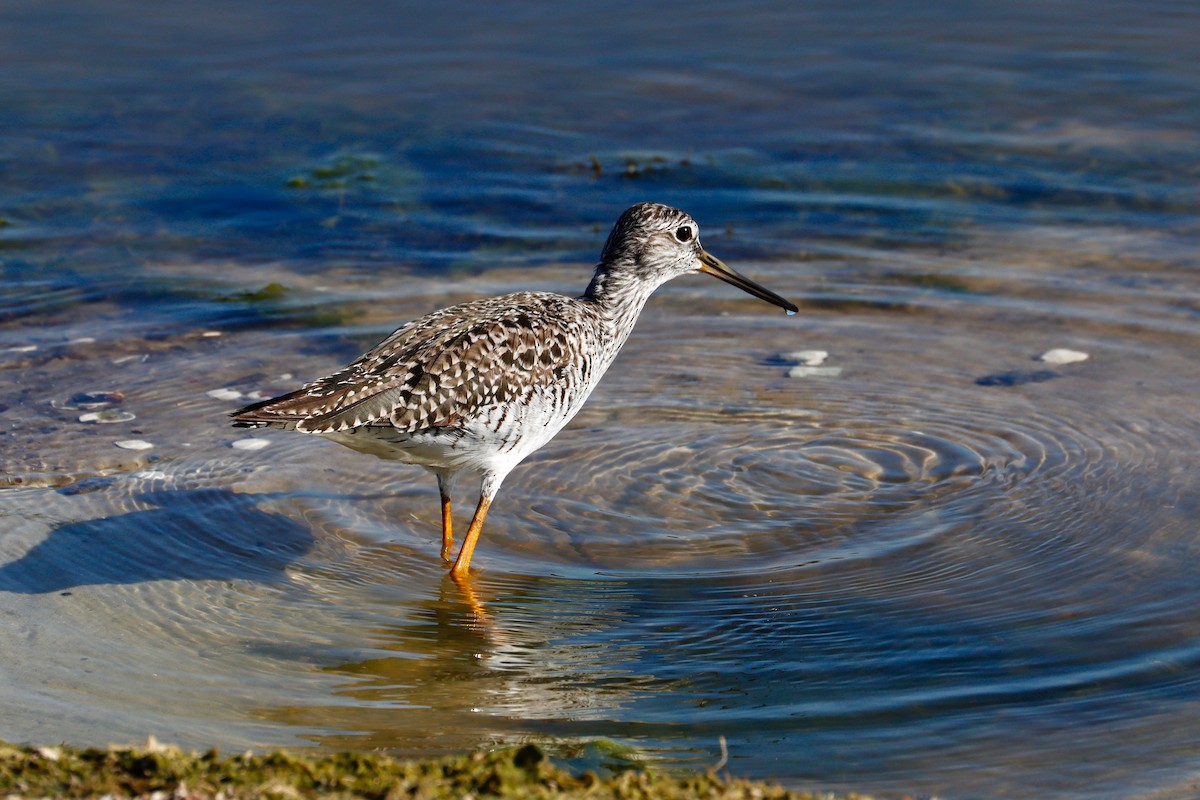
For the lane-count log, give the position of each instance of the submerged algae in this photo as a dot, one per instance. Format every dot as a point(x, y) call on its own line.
point(167, 772)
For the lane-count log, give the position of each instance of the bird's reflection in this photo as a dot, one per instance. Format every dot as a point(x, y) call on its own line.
point(478, 660)
point(462, 587)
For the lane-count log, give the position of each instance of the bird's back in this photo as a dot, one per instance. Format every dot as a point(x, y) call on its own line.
point(447, 369)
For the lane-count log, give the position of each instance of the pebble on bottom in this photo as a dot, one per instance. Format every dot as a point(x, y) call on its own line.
point(133, 444)
point(249, 444)
point(1061, 355)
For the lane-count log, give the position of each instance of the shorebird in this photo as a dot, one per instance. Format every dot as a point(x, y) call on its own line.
point(477, 387)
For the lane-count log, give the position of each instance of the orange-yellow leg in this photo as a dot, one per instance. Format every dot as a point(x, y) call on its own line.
point(445, 481)
point(464, 556)
point(447, 529)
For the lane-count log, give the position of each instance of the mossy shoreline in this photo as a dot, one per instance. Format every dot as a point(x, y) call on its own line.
point(158, 772)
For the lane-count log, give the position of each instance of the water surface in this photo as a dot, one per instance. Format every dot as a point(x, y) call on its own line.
point(949, 569)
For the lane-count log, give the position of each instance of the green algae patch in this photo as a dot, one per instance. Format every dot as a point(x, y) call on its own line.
point(168, 773)
point(271, 293)
point(338, 173)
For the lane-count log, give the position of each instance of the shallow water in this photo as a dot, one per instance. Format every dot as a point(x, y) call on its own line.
point(949, 569)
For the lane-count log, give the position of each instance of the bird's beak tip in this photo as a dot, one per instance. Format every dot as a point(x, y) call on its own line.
point(714, 266)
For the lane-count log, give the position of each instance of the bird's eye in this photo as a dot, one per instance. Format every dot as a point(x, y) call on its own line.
point(684, 233)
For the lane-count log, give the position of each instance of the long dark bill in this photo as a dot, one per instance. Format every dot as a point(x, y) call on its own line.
point(717, 268)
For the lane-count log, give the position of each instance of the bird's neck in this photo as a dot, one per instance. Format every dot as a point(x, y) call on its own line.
point(620, 295)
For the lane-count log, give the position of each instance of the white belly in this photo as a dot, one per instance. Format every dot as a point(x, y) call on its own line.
point(495, 440)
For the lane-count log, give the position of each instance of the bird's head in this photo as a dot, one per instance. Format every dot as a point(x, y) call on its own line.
point(653, 243)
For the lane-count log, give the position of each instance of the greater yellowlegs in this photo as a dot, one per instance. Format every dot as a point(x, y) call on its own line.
point(479, 386)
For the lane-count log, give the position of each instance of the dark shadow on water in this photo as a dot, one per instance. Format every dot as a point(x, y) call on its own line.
point(207, 534)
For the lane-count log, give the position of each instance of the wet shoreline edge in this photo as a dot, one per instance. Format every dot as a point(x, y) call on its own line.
point(159, 772)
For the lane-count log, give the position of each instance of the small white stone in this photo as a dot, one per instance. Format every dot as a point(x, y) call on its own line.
point(133, 444)
point(151, 475)
point(210, 334)
point(814, 372)
point(249, 444)
point(107, 417)
point(1061, 355)
point(808, 358)
point(224, 394)
point(287, 376)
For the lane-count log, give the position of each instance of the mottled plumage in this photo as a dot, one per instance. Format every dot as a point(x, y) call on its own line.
point(481, 385)
point(443, 368)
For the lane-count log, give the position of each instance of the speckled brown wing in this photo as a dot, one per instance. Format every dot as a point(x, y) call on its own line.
point(440, 369)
